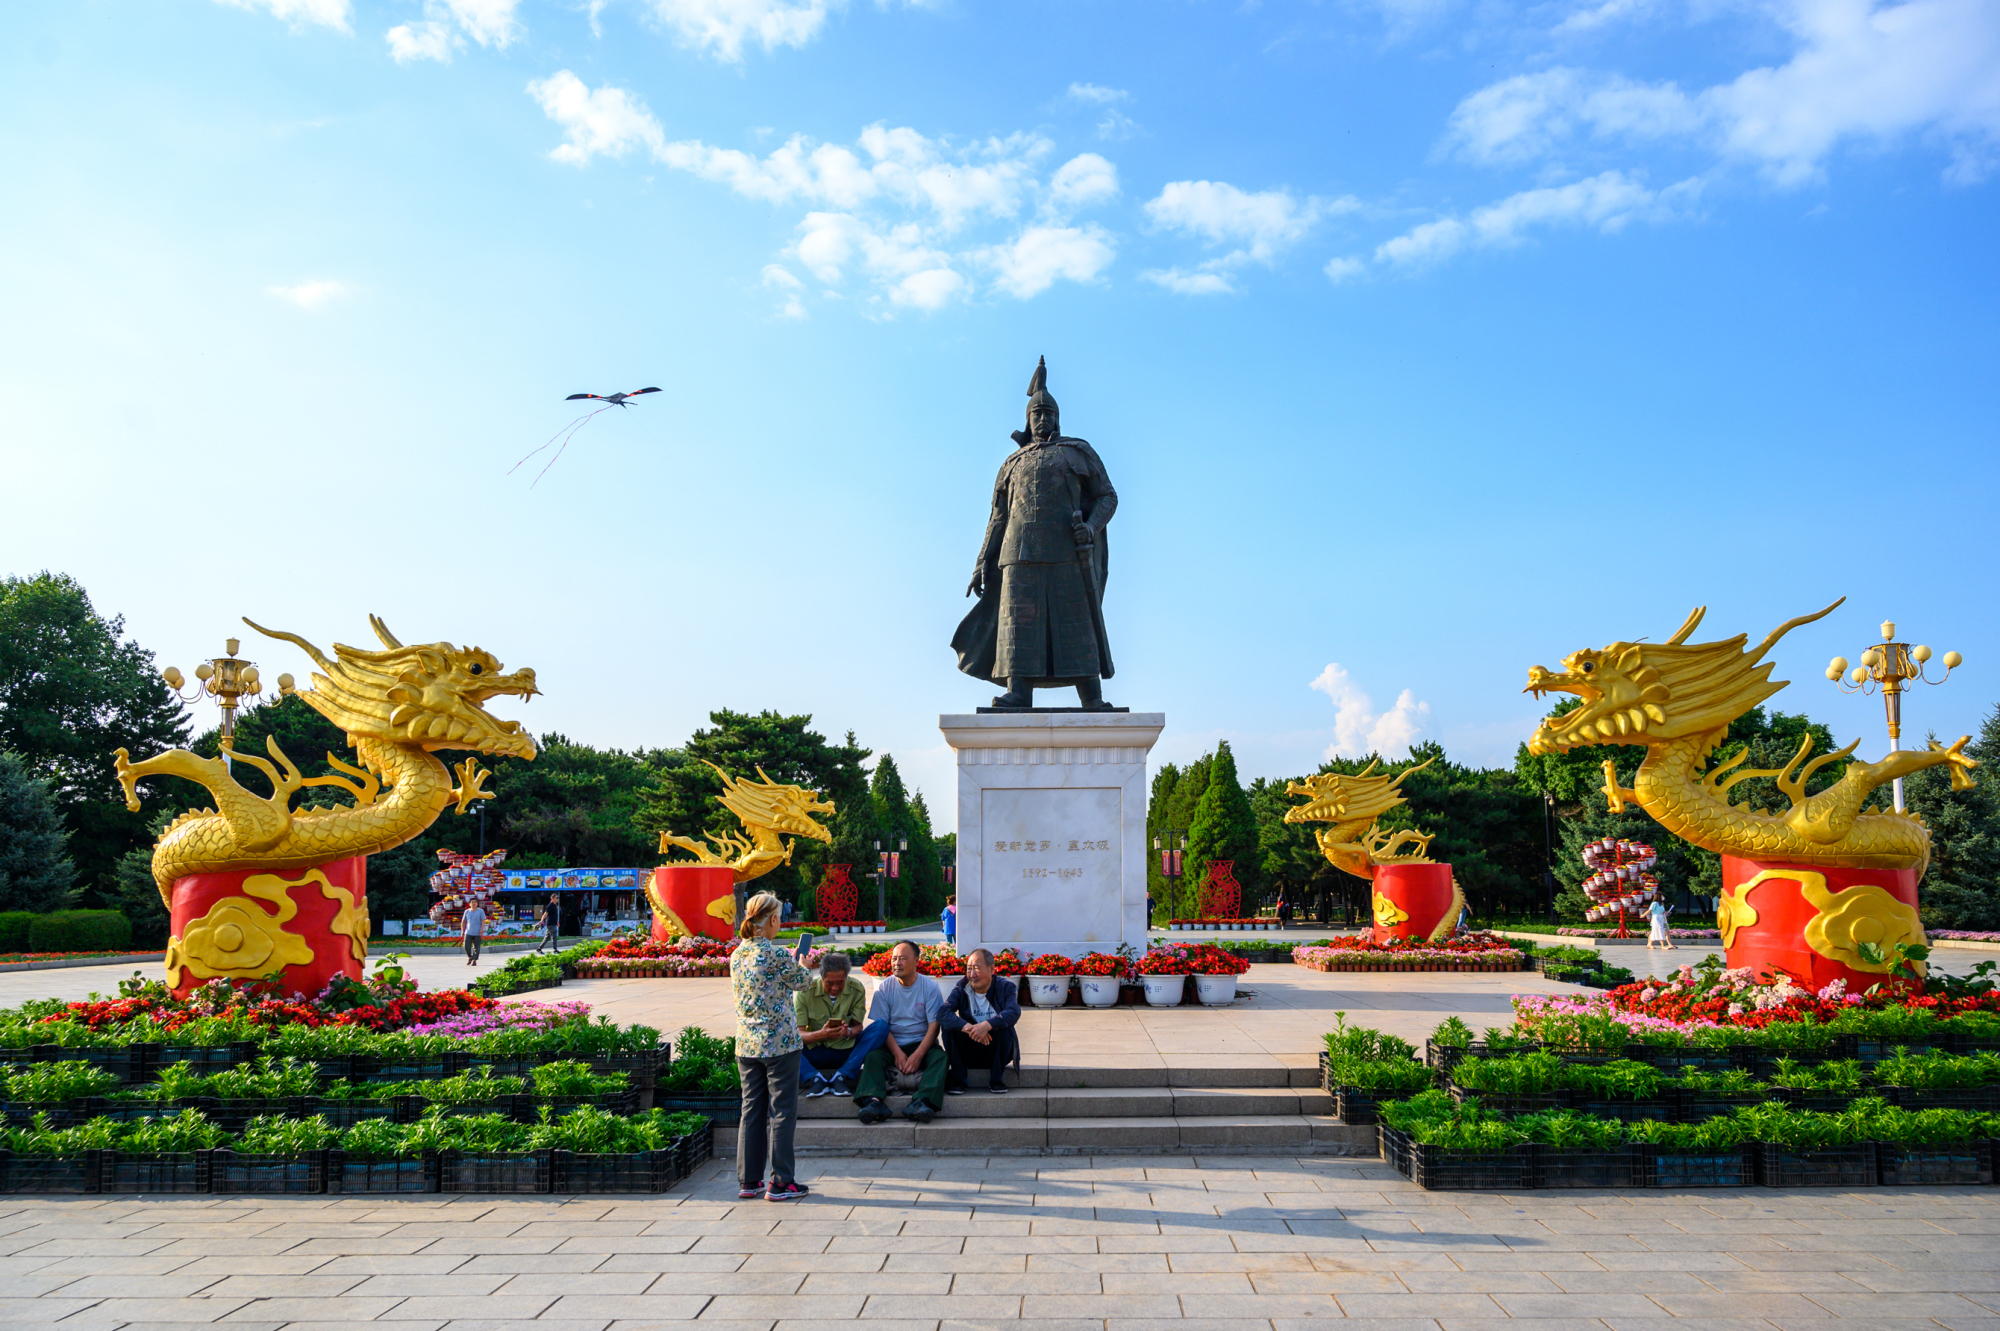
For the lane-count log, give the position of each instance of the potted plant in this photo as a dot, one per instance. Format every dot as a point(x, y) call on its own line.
point(1048, 979)
point(1164, 972)
point(1098, 974)
point(1215, 973)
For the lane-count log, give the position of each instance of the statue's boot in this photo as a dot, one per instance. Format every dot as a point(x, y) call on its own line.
point(1090, 692)
point(1019, 694)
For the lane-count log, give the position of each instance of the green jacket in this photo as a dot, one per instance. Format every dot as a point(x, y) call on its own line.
point(816, 1008)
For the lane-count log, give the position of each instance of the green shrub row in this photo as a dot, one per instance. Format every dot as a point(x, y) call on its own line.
point(581, 1130)
point(22, 1027)
point(1599, 1032)
point(1433, 1119)
point(64, 931)
point(283, 1078)
point(704, 1064)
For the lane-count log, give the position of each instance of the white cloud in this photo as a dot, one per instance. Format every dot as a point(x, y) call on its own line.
point(1861, 70)
point(1358, 729)
point(427, 40)
point(1031, 263)
point(1340, 269)
point(721, 27)
point(1092, 94)
point(298, 13)
point(1082, 181)
point(1261, 224)
point(785, 281)
point(1606, 202)
point(311, 294)
point(488, 22)
point(608, 121)
point(1206, 281)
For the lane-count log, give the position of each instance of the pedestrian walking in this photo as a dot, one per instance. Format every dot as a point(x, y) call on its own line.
point(471, 927)
point(1656, 916)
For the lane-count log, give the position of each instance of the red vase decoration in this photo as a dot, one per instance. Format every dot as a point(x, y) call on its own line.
point(693, 900)
point(837, 898)
point(303, 926)
point(1810, 921)
point(1221, 895)
point(1412, 900)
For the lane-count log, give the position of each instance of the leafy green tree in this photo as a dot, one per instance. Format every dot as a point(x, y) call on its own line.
point(1961, 889)
point(35, 869)
point(921, 866)
point(1180, 812)
point(72, 691)
point(1224, 828)
point(1158, 886)
point(854, 836)
point(1288, 854)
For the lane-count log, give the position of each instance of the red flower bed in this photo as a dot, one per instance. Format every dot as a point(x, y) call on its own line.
point(1051, 963)
point(1207, 959)
point(943, 962)
point(1166, 961)
point(633, 949)
point(1103, 965)
point(258, 1004)
point(1469, 943)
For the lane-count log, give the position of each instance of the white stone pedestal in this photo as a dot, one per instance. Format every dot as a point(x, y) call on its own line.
point(1052, 829)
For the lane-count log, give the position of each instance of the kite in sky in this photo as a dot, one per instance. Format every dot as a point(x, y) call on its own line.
point(568, 432)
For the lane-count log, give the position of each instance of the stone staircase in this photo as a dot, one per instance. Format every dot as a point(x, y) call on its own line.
point(1098, 1111)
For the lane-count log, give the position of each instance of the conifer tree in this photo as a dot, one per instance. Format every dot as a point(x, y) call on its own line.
point(1158, 886)
point(921, 869)
point(1180, 814)
point(893, 818)
point(35, 869)
point(1224, 828)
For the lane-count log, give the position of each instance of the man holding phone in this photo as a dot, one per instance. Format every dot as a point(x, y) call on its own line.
point(830, 1014)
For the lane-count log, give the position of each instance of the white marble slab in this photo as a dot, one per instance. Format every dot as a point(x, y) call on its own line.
point(1052, 829)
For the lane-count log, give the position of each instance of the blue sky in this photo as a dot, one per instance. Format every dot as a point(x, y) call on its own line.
point(1423, 340)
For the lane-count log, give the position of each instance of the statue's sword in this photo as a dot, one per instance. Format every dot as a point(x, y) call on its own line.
point(1083, 553)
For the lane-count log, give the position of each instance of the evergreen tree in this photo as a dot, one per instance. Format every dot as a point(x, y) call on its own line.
point(35, 869)
point(1158, 886)
point(1224, 828)
point(1180, 815)
point(892, 815)
point(1961, 889)
point(920, 866)
point(71, 693)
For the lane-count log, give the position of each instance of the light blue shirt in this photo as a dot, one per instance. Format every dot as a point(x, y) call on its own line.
point(909, 1010)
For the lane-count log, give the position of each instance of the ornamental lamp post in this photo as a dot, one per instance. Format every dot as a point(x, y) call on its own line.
point(884, 872)
point(227, 679)
point(1889, 668)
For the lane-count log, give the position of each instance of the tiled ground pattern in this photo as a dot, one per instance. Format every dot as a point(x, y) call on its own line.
point(1113, 1244)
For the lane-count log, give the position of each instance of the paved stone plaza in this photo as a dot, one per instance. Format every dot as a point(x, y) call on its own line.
point(1115, 1244)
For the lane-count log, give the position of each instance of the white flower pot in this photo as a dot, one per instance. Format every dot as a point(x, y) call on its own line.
point(1215, 990)
point(1099, 990)
point(1164, 990)
point(1049, 990)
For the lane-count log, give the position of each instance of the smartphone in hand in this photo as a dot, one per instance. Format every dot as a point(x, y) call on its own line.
point(804, 948)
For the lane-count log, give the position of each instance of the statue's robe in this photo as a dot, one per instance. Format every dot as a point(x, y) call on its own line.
point(1039, 616)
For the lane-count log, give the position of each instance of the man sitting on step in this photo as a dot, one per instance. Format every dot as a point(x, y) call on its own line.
point(830, 1012)
point(978, 1020)
point(909, 1004)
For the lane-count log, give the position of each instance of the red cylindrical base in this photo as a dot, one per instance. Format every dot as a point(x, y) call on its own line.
point(693, 899)
point(1419, 894)
point(1808, 921)
point(304, 925)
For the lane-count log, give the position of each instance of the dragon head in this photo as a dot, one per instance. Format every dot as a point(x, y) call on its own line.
point(431, 696)
point(1334, 797)
point(786, 810)
point(1655, 693)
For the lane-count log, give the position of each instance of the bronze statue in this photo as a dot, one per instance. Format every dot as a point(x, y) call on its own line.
point(1039, 622)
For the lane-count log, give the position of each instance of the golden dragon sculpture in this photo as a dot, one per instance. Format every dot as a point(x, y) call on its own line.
point(1677, 699)
point(397, 706)
point(1352, 804)
point(771, 813)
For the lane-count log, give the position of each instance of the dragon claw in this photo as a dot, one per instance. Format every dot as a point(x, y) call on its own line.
point(471, 784)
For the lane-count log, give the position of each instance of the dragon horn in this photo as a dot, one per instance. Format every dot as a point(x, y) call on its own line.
point(1772, 637)
point(315, 653)
point(1411, 771)
point(382, 632)
point(1373, 763)
point(1693, 619)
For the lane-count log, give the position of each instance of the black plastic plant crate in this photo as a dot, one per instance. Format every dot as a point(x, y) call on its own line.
point(153, 1171)
point(1950, 1163)
point(1436, 1168)
point(48, 1173)
point(528, 1108)
point(340, 1067)
point(1662, 1110)
point(494, 1171)
point(347, 1113)
point(638, 1171)
point(1820, 1102)
point(423, 1067)
point(507, 1065)
point(1355, 1107)
point(1445, 1057)
point(1871, 1051)
point(206, 1059)
point(1701, 1106)
point(1616, 1168)
point(134, 1111)
point(1735, 1167)
point(719, 1108)
point(131, 1064)
point(1395, 1148)
point(233, 1171)
point(61, 1113)
point(642, 1070)
point(1670, 1058)
point(1326, 1082)
point(235, 1115)
point(346, 1172)
point(1957, 1042)
point(693, 1151)
point(411, 1108)
point(1975, 1099)
point(1852, 1166)
point(1514, 1104)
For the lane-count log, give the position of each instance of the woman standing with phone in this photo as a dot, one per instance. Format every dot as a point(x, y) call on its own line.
point(763, 976)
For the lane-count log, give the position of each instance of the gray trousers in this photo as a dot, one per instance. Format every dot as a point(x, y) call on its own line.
point(769, 1118)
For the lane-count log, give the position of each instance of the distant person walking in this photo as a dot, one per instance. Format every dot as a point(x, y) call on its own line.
point(550, 918)
point(472, 926)
point(1656, 916)
point(763, 977)
point(949, 922)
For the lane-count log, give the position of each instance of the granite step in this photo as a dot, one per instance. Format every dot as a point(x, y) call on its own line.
point(1207, 1134)
point(1102, 1102)
point(1242, 1072)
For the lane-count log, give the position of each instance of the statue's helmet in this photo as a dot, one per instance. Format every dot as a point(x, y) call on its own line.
point(1038, 391)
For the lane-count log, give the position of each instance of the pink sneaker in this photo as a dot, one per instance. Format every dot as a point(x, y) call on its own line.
point(749, 1190)
point(786, 1192)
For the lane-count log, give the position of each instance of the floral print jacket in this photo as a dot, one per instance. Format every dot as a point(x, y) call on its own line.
point(763, 974)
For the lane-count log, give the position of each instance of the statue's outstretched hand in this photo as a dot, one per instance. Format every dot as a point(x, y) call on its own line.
point(977, 587)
